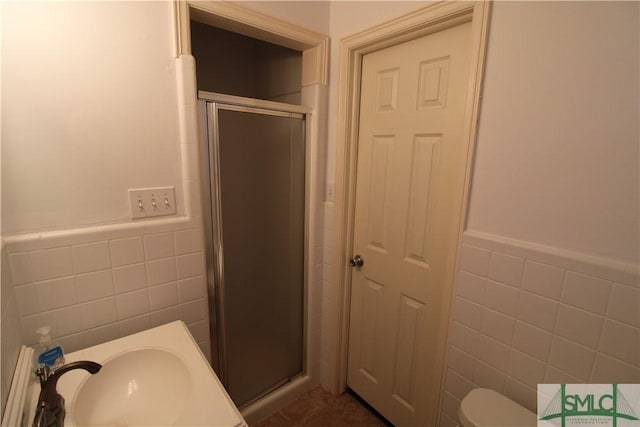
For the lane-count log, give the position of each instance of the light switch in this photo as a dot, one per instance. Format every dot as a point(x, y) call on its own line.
point(148, 202)
point(330, 193)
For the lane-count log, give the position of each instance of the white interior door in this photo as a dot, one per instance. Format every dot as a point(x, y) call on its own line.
point(410, 178)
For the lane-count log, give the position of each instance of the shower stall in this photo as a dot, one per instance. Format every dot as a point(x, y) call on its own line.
point(255, 220)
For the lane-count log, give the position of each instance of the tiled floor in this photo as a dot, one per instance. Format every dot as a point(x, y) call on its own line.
point(319, 408)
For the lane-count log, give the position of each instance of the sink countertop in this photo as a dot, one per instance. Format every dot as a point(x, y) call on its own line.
point(208, 403)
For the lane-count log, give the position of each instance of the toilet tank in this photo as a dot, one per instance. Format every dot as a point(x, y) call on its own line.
point(483, 407)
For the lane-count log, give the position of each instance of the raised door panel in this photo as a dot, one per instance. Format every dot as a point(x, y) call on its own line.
point(410, 152)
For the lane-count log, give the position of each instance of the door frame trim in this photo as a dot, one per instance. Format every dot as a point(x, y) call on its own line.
point(315, 70)
point(431, 19)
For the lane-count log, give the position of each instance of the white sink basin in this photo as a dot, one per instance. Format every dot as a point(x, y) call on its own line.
point(158, 377)
point(147, 386)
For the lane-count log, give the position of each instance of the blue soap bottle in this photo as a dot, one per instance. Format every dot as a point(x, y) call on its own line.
point(48, 352)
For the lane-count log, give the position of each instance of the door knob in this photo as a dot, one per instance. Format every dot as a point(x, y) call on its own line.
point(356, 261)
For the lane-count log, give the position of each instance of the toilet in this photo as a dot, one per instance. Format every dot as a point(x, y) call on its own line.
point(486, 408)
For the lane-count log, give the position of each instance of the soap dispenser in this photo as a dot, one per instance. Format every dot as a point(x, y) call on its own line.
point(48, 353)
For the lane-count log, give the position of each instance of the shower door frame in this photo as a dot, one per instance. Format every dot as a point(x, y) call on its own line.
point(210, 104)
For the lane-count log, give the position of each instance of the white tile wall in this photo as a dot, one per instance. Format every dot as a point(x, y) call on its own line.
point(542, 279)
point(537, 311)
point(572, 358)
point(19, 267)
point(623, 305)
point(161, 271)
point(56, 293)
point(192, 288)
point(95, 291)
point(506, 269)
point(578, 325)
point(9, 323)
point(90, 257)
point(475, 259)
point(64, 321)
point(314, 292)
point(620, 341)
point(132, 304)
point(525, 314)
point(188, 241)
point(502, 298)
point(98, 313)
point(190, 265)
point(531, 340)
point(492, 352)
point(587, 292)
point(159, 246)
point(199, 330)
point(322, 271)
point(94, 285)
point(126, 251)
point(472, 286)
point(50, 263)
point(135, 324)
point(194, 311)
point(130, 277)
point(488, 377)
point(163, 296)
point(166, 315)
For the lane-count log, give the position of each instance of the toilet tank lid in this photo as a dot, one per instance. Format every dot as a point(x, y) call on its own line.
point(483, 407)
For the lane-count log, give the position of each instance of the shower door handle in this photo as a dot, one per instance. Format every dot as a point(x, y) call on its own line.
point(356, 261)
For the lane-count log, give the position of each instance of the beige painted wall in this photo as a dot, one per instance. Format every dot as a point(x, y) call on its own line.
point(558, 154)
point(310, 14)
point(557, 150)
point(71, 131)
point(89, 109)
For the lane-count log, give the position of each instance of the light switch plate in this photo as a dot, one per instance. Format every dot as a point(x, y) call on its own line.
point(149, 202)
point(330, 192)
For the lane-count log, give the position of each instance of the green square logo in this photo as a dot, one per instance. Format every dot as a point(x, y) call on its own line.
point(602, 405)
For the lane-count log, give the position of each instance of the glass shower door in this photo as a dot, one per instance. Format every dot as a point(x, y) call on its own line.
point(258, 184)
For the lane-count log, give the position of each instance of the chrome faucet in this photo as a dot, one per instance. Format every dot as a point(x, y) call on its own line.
point(50, 411)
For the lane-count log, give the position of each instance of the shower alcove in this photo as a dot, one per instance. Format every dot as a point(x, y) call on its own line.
point(260, 88)
point(234, 64)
